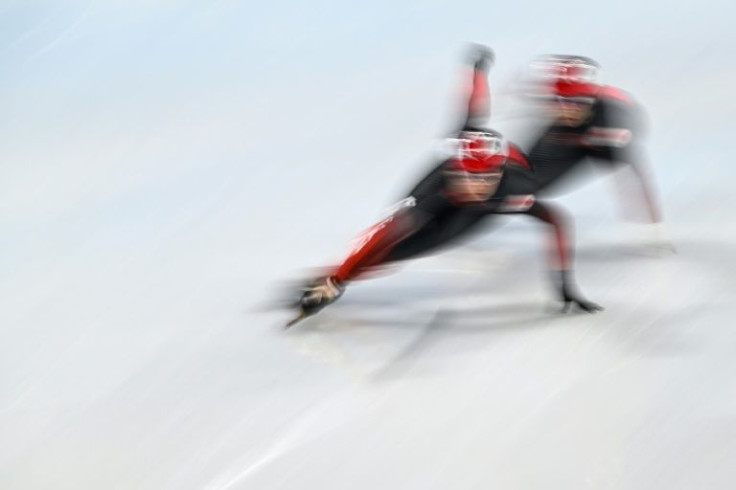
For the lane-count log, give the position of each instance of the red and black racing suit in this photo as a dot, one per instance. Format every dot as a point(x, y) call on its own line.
point(432, 219)
point(612, 136)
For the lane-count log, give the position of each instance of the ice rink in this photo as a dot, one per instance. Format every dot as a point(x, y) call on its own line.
point(164, 166)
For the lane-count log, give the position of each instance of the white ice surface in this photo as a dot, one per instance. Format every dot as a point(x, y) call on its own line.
point(164, 166)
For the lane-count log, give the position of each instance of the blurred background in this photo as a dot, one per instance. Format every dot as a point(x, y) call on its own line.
point(164, 163)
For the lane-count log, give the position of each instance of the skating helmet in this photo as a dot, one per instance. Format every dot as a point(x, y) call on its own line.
point(566, 76)
point(480, 151)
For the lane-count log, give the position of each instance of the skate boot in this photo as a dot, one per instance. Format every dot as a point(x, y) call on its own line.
point(316, 295)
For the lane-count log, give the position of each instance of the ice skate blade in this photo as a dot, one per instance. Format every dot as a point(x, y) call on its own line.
point(301, 316)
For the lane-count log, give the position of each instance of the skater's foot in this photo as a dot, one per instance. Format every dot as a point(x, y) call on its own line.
point(320, 294)
point(572, 299)
point(572, 302)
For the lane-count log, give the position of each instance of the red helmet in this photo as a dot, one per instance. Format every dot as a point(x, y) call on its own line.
point(570, 77)
point(480, 151)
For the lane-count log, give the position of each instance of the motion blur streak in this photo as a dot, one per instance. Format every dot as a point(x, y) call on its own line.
point(164, 163)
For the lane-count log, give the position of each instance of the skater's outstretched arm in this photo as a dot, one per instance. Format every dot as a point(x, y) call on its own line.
point(615, 137)
point(477, 109)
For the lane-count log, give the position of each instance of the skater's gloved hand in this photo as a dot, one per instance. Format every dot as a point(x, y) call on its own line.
point(650, 236)
point(658, 238)
point(481, 57)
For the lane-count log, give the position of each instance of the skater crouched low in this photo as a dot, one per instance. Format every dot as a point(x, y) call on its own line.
point(477, 182)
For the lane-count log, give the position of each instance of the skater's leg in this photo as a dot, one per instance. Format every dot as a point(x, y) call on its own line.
point(370, 251)
point(445, 231)
point(559, 250)
point(377, 242)
point(560, 256)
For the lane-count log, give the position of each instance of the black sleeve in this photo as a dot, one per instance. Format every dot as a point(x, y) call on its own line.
point(518, 180)
point(611, 135)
